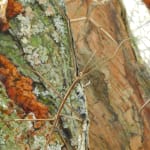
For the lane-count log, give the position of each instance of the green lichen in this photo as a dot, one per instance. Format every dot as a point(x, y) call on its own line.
point(9, 129)
point(38, 44)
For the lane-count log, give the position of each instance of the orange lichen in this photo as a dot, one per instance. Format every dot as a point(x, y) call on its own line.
point(147, 2)
point(13, 8)
point(19, 89)
point(8, 11)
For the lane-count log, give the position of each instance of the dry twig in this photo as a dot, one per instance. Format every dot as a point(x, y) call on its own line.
point(143, 106)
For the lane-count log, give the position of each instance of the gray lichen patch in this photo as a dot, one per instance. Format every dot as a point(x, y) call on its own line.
point(16, 135)
point(41, 39)
point(38, 44)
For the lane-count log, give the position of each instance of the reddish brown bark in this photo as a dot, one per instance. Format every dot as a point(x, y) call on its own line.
point(115, 94)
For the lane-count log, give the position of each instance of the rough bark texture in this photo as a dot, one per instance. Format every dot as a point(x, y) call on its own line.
point(37, 67)
point(39, 44)
point(115, 93)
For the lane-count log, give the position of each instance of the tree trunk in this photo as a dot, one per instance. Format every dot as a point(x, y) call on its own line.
point(118, 82)
point(38, 73)
point(97, 70)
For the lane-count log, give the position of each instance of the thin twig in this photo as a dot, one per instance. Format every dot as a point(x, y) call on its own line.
point(50, 119)
point(78, 19)
point(13, 120)
point(103, 30)
point(34, 119)
point(142, 107)
point(97, 26)
point(108, 35)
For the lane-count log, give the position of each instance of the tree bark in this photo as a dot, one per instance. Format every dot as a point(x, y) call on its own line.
point(38, 48)
point(116, 89)
point(113, 82)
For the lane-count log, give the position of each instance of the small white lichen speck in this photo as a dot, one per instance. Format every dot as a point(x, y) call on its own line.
point(55, 37)
point(54, 147)
point(59, 24)
point(42, 1)
point(27, 1)
point(25, 28)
